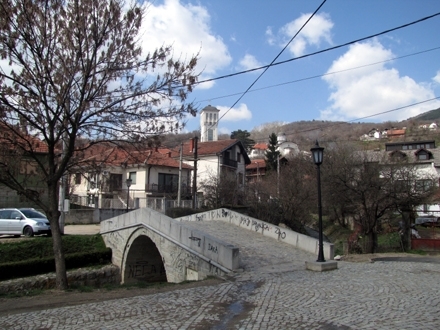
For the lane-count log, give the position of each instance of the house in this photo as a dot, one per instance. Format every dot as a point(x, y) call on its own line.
point(105, 169)
point(216, 158)
point(425, 156)
point(20, 154)
point(256, 170)
point(258, 150)
point(395, 133)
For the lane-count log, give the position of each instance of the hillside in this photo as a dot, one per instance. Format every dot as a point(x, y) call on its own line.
point(305, 133)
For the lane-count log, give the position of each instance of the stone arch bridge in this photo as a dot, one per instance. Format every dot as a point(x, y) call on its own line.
point(150, 246)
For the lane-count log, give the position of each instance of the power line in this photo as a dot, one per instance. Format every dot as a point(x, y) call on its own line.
point(272, 63)
point(321, 51)
point(325, 74)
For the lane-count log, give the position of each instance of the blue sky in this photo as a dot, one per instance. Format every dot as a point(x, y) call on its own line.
point(232, 36)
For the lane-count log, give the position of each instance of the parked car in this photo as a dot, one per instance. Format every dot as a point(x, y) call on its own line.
point(26, 221)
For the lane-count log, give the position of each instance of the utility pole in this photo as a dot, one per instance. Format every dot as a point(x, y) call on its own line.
point(179, 191)
point(194, 187)
point(278, 175)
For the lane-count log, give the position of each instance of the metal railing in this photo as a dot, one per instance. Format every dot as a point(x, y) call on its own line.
point(230, 162)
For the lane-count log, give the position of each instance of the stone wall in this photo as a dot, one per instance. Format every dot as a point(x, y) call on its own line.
point(108, 274)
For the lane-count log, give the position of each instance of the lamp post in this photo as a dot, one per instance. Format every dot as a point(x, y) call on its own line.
point(128, 182)
point(318, 153)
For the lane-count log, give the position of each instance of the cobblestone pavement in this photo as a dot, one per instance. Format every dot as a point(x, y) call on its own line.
point(274, 291)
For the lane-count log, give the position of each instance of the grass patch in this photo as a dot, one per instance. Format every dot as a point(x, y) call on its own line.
point(41, 247)
point(419, 252)
point(29, 293)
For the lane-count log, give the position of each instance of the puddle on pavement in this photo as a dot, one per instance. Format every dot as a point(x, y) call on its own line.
point(235, 308)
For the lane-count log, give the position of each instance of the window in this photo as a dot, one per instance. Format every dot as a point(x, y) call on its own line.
point(423, 185)
point(210, 135)
point(115, 182)
point(168, 182)
point(78, 178)
point(238, 157)
point(401, 185)
point(132, 176)
point(422, 156)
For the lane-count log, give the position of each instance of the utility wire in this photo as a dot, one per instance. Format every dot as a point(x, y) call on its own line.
point(320, 51)
point(324, 74)
point(271, 63)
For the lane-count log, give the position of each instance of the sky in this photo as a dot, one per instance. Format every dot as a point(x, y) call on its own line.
point(390, 77)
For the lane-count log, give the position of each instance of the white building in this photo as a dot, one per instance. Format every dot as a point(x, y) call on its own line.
point(209, 124)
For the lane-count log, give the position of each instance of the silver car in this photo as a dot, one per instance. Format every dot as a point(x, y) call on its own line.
point(27, 222)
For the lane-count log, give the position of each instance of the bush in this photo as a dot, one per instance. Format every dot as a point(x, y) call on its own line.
point(177, 212)
point(35, 256)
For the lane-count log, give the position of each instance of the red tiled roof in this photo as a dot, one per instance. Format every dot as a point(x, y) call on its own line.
point(261, 146)
point(256, 163)
point(19, 140)
point(116, 156)
point(395, 132)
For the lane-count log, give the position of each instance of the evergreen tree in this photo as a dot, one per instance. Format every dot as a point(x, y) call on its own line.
point(272, 153)
point(243, 136)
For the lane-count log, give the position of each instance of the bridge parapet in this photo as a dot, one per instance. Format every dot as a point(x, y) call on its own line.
point(288, 236)
point(185, 251)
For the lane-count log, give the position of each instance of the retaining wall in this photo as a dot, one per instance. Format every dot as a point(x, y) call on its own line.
point(80, 277)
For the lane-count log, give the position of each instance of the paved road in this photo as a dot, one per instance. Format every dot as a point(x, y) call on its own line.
point(274, 291)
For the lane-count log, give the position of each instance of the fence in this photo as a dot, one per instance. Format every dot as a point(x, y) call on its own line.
point(157, 204)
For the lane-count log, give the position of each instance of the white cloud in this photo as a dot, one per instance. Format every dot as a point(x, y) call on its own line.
point(249, 62)
point(373, 89)
point(316, 31)
point(187, 29)
point(235, 114)
point(224, 130)
point(437, 77)
point(271, 39)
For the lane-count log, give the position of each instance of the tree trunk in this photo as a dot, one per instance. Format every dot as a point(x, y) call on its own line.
point(371, 244)
point(60, 263)
point(405, 232)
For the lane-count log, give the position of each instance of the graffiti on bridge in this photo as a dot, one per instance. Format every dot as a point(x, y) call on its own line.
point(144, 269)
point(197, 239)
point(212, 248)
point(281, 234)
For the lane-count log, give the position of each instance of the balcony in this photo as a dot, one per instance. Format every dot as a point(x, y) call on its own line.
point(230, 163)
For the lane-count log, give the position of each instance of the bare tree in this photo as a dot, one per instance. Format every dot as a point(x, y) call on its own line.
point(75, 68)
point(369, 186)
point(222, 190)
point(290, 201)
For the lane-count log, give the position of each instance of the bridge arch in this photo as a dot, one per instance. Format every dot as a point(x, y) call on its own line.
point(142, 259)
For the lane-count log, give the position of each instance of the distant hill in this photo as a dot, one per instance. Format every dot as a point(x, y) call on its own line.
point(430, 115)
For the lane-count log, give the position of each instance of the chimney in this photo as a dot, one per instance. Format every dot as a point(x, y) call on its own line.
point(191, 145)
point(169, 154)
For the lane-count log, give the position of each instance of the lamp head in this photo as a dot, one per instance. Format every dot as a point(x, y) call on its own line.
point(317, 153)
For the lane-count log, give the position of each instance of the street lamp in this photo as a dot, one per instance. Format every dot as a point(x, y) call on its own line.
point(128, 182)
point(318, 153)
